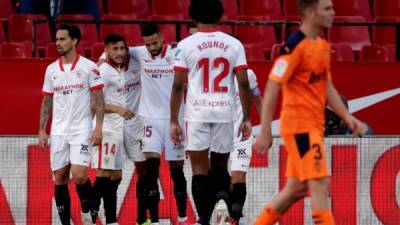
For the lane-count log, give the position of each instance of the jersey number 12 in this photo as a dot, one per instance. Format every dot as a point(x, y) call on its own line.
point(204, 64)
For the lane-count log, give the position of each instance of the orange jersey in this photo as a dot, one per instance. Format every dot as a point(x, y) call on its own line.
point(303, 70)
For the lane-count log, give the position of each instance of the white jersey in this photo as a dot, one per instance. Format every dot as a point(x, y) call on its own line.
point(210, 58)
point(157, 77)
point(70, 85)
point(121, 88)
point(255, 92)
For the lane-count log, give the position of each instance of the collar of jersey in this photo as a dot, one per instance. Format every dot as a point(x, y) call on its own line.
point(163, 52)
point(73, 63)
point(208, 30)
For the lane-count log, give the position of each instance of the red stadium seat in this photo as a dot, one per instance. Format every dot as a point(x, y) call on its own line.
point(7, 9)
point(170, 9)
point(387, 10)
point(345, 8)
point(375, 53)
point(290, 10)
point(254, 53)
point(97, 50)
point(260, 10)
point(342, 53)
point(16, 50)
point(2, 33)
point(231, 10)
point(139, 9)
point(382, 35)
point(29, 27)
point(51, 51)
point(261, 36)
point(131, 32)
point(355, 36)
point(88, 30)
point(169, 32)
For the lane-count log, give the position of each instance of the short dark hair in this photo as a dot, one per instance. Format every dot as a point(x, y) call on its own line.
point(304, 4)
point(113, 38)
point(73, 31)
point(149, 29)
point(206, 11)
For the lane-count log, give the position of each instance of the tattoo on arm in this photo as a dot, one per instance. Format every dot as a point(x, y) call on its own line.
point(45, 111)
point(99, 101)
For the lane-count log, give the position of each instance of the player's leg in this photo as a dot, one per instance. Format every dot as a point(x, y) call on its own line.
point(197, 136)
point(59, 160)
point(221, 146)
point(133, 135)
point(319, 201)
point(295, 187)
point(153, 142)
point(141, 192)
point(240, 162)
point(174, 154)
point(318, 181)
point(80, 153)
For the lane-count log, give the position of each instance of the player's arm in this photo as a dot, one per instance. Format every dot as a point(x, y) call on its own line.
point(122, 111)
point(45, 111)
point(264, 139)
point(336, 103)
point(245, 99)
point(176, 100)
point(257, 101)
point(99, 105)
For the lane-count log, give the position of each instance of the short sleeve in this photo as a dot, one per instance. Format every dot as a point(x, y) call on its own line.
point(133, 52)
point(241, 62)
point(180, 60)
point(48, 88)
point(284, 67)
point(254, 89)
point(95, 80)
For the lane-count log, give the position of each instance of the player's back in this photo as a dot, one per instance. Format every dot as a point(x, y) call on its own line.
point(210, 57)
point(303, 69)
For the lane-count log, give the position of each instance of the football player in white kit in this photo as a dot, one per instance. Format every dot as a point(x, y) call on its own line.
point(240, 157)
point(69, 84)
point(156, 61)
point(122, 128)
point(156, 64)
point(209, 59)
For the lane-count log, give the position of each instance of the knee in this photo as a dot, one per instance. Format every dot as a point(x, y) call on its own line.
point(80, 178)
point(238, 177)
point(60, 179)
point(296, 192)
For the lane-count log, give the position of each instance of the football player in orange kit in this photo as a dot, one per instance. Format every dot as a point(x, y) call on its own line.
point(303, 73)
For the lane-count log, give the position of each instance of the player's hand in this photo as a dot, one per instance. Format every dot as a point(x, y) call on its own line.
point(358, 128)
point(126, 113)
point(43, 137)
point(176, 133)
point(97, 136)
point(245, 130)
point(262, 143)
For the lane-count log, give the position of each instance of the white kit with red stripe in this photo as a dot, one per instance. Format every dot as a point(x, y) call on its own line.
point(157, 76)
point(210, 57)
point(70, 85)
point(121, 88)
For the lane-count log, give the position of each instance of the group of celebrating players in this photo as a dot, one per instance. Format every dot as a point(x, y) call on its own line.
point(130, 105)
